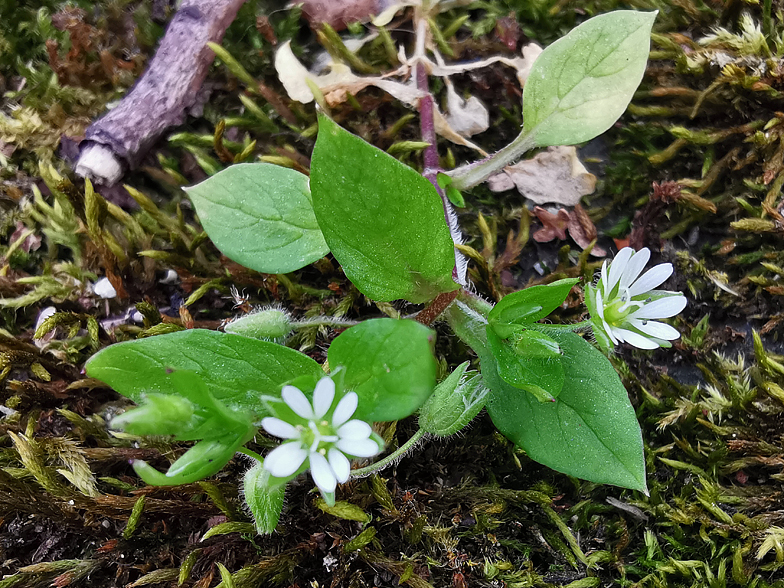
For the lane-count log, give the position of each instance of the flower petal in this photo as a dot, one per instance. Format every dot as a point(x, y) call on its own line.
point(609, 330)
point(603, 277)
point(635, 266)
point(359, 447)
point(345, 408)
point(602, 323)
point(616, 269)
point(632, 338)
point(339, 464)
point(279, 428)
point(355, 429)
point(322, 474)
point(283, 461)
point(323, 396)
point(651, 279)
point(656, 329)
point(297, 401)
point(661, 308)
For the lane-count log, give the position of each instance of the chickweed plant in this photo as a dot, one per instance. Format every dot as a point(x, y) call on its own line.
point(546, 387)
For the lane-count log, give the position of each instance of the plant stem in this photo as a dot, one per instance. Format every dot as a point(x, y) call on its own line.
point(468, 176)
point(427, 127)
point(389, 459)
point(427, 315)
point(324, 321)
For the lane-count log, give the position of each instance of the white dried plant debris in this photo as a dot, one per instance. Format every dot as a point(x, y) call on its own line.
point(336, 84)
point(42, 316)
point(556, 175)
point(465, 117)
point(104, 289)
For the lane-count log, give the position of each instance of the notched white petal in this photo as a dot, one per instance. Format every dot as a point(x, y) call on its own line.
point(639, 341)
point(283, 461)
point(661, 308)
point(656, 329)
point(323, 396)
point(339, 464)
point(359, 448)
point(297, 401)
point(616, 269)
point(651, 279)
point(355, 429)
point(279, 428)
point(321, 473)
point(345, 409)
point(634, 268)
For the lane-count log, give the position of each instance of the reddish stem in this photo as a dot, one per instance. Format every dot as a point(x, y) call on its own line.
point(430, 313)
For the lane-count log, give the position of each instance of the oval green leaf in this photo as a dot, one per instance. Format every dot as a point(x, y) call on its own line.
point(581, 84)
point(389, 364)
point(261, 216)
point(590, 431)
point(236, 370)
point(383, 221)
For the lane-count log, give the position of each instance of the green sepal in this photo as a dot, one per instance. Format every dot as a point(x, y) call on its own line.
point(264, 495)
point(454, 403)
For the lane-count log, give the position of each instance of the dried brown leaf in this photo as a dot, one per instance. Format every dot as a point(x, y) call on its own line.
point(554, 225)
point(556, 175)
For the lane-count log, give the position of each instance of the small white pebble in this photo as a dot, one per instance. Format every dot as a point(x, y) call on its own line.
point(170, 277)
point(104, 288)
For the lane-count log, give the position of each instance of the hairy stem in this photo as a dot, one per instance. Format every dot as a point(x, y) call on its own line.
point(389, 459)
point(324, 321)
point(468, 176)
point(427, 127)
point(427, 315)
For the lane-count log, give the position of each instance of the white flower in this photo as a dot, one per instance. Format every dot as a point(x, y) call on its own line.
point(623, 304)
point(320, 434)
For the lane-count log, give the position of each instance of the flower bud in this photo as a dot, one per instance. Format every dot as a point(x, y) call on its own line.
point(270, 324)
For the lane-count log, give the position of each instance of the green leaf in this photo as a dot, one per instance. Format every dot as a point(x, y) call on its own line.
point(454, 403)
point(264, 496)
point(581, 84)
point(541, 376)
point(452, 193)
point(382, 220)
point(528, 306)
point(236, 370)
point(590, 431)
point(389, 364)
point(200, 461)
point(260, 215)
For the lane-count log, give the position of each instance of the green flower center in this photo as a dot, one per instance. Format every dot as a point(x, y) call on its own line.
point(619, 308)
point(318, 436)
